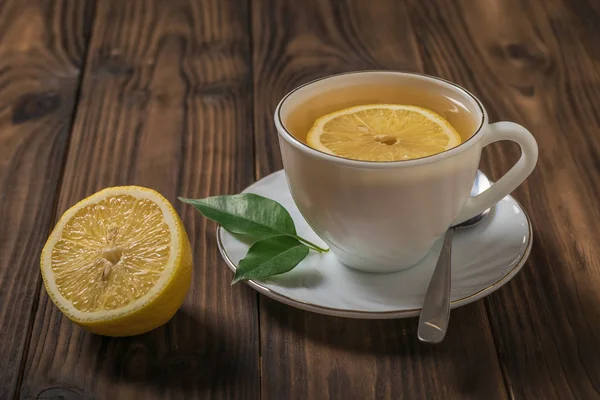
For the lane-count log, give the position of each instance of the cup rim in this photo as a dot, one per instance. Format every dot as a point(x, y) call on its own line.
point(286, 135)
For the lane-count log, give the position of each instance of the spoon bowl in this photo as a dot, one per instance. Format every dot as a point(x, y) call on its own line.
point(480, 184)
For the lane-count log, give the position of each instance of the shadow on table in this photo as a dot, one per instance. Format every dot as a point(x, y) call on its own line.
point(184, 357)
point(393, 336)
point(465, 362)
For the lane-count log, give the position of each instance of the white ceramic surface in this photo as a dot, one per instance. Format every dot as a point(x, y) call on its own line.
point(484, 258)
point(386, 216)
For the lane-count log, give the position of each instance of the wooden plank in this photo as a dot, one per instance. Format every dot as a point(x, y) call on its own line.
point(537, 63)
point(42, 48)
point(165, 104)
point(309, 356)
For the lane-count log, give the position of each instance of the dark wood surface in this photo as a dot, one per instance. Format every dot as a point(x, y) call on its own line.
point(179, 95)
point(42, 50)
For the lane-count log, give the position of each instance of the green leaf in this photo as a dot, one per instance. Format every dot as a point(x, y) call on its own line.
point(246, 214)
point(271, 256)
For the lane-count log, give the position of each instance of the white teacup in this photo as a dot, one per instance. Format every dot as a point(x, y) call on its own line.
point(386, 216)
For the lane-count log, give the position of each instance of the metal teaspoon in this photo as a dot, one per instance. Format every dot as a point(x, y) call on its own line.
point(435, 313)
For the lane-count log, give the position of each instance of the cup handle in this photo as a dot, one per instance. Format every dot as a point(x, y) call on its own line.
point(513, 178)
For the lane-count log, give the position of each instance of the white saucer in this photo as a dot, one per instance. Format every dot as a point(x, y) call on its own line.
point(484, 258)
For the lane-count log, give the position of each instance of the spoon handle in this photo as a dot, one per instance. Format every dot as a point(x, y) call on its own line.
point(435, 313)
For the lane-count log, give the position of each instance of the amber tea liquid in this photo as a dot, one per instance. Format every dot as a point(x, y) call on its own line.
point(302, 118)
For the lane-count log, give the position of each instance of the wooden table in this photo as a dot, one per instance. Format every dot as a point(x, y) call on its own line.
point(178, 96)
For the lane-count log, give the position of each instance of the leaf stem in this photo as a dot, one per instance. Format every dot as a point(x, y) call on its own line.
point(311, 245)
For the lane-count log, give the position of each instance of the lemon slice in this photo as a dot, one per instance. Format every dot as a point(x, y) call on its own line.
point(383, 132)
point(119, 262)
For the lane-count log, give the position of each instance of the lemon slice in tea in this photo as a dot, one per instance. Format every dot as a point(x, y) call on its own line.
point(383, 132)
point(119, 262)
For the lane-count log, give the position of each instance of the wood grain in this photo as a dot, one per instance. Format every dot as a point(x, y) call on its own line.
point(538, 64)
point(42, 48)
point(165, 103)
point(309, 356)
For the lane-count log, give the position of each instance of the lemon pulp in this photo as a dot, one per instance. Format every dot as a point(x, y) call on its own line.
point(118, 262)
point(383, 132)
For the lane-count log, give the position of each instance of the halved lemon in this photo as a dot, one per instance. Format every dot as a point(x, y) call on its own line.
point(383, 132)
point(119, 262)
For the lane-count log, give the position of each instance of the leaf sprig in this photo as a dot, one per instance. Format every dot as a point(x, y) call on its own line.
point(276, 247)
